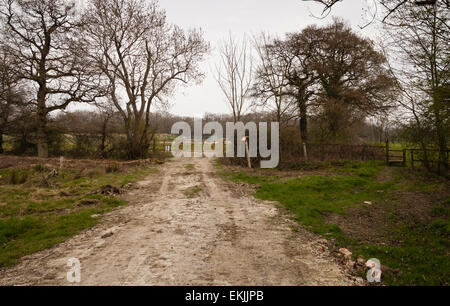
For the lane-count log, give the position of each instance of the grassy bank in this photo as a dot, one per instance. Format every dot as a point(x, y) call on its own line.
point(36, 214)
point(395, 215)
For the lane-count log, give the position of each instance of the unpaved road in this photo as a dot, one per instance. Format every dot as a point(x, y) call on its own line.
point(168, 236)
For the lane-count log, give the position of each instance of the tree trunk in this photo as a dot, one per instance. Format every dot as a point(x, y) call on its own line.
point(302, 107)
point(442, 152)
point(303, 128)
point(426, 161)
point(137, 140)
point(102, 145)
point(441, 138)
point(42, 141)
point(1, 142)
point(135, 150)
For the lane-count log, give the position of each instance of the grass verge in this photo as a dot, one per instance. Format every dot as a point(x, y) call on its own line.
point(404, 214)
point(33, 217)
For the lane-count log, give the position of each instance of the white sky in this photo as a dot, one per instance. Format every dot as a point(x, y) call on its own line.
point(218, 18)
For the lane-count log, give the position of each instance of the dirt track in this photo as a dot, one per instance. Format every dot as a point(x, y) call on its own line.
point(168, 236)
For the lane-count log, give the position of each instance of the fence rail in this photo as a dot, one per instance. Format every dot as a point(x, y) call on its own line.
point(392, 157)
point(327, 152)
point(417, 155)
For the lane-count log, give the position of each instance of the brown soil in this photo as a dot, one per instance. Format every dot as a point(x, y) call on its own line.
point(376, 223)
point(164, 237)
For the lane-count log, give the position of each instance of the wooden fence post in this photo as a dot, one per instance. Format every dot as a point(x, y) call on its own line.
point(412, 158)
point(305, 152)
point(387, 152)
point(224, 148)
point(245, 139)
point(404, 157)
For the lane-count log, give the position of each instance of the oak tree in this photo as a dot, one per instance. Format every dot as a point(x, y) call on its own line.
point(43, 38)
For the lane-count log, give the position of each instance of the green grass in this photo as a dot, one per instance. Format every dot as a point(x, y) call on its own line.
point(190, 167)
point(34, 218)
point(422, 256)
point(311, 197)
point(192, 192)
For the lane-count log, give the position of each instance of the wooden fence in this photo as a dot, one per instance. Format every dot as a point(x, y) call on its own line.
point(417, 156)
point(329, 152)
point(392, 157)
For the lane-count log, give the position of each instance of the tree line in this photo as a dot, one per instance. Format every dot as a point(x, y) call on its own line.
point(122, 52)
point(336, 79)
point(125, 58)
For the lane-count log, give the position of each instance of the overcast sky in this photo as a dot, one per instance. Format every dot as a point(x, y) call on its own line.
point(217, 18)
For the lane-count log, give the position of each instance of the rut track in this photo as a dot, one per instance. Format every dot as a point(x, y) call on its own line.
point(186, 227)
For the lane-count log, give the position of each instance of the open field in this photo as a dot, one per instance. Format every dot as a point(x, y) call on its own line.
point(393, 214)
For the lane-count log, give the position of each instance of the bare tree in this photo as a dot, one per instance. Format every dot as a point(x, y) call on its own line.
point(293, 55)
point(143, 58)
point(235, 74)
point(271, 82)
point(11, 96)
point(106, 112)
point(420, 38)
point(42, 36)
point(388, 7)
